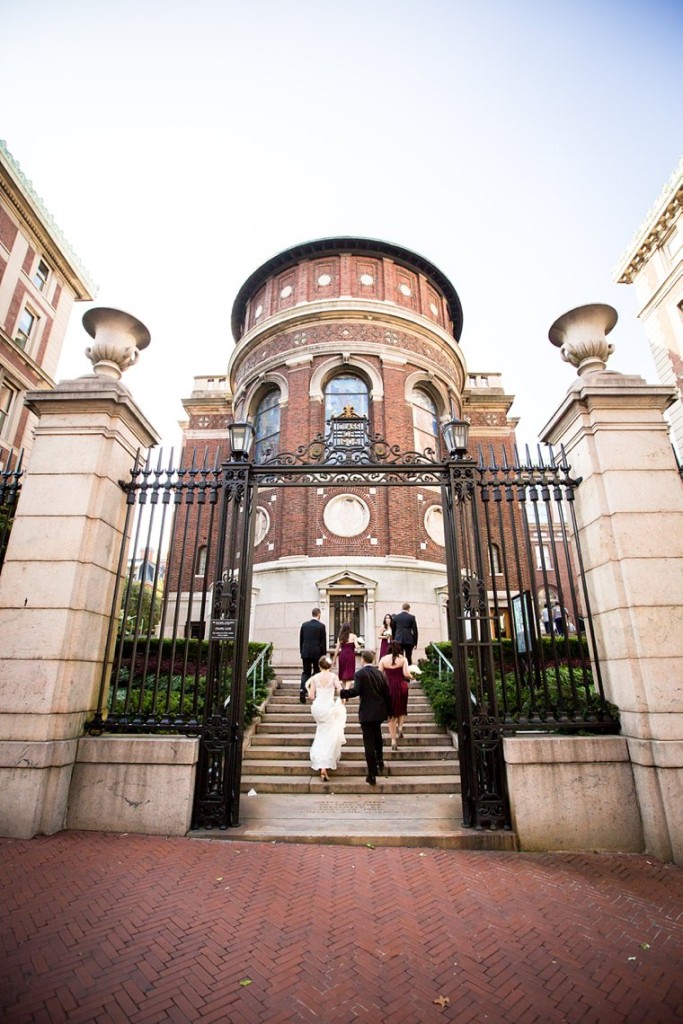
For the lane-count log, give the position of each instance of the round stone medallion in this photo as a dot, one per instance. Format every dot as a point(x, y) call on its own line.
point(434, 524)
point(261, 526)
point(346, 515)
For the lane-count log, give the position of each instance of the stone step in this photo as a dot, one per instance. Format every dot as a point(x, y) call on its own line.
point(349, 784)
point(394, 766)
point(277, 760)
point(275, 715)
point(301, 737)
point(369, 818)
point(354, 751)
point(414, 731)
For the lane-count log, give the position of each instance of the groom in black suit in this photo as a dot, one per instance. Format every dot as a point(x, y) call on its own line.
point(375, 707)
point(404, 631)
point(312, 646)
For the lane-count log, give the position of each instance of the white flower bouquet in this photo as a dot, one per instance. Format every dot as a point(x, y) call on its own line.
point(414, 671)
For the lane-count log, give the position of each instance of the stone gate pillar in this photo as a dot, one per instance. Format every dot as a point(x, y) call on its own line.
point(57, 583)
point(629, 509)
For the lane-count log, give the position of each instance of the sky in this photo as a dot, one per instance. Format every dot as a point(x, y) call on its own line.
point(516, 144)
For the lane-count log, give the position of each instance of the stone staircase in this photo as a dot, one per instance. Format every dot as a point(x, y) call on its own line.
point(277, 758)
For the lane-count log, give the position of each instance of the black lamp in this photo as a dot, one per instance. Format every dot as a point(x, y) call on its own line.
point(456, 436)
point(241, 439)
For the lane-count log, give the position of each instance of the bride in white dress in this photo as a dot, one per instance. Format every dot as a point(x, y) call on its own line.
point(330, 715)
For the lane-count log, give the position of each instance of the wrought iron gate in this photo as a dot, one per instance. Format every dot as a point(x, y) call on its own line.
point(193, 679)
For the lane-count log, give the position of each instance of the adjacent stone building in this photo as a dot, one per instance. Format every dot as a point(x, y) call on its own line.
point(653, 264)
point(335, 324)
point(40, 279)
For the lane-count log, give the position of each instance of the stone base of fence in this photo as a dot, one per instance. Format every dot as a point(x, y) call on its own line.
point(133, 784)
point(573, 793)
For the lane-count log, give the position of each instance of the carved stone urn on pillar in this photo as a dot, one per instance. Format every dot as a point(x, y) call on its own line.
point(580, 335)
point(119, 337)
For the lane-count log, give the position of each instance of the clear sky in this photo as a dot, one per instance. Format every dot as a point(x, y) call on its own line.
point(517, 144)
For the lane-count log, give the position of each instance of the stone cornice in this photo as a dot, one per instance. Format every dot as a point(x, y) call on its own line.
point(659, 219)
point(31, 210)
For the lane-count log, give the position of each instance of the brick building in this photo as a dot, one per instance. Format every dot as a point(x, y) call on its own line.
point(322, 326)
point(653, 264)
point(40, 279)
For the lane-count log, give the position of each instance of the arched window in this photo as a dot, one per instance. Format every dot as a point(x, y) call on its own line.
point(200, 568)
point(343, 390)
point(267, 426)
point(425, 423)
point(495, 560)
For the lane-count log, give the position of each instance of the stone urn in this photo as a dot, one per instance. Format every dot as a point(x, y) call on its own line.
point(118, 339)
point(580, 335)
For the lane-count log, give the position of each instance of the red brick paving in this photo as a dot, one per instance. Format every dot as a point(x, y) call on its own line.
point(106, 929)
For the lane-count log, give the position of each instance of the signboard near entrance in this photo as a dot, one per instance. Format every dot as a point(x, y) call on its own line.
point(223, 629)
point(523, 619)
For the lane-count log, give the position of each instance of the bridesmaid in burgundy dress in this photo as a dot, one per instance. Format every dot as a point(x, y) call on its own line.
point(395, 667)
point(345, 652)
point(384, 636)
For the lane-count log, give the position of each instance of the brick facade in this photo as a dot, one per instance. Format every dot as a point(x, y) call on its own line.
point(29, 236)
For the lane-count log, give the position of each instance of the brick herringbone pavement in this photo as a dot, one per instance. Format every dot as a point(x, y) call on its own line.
point(105, 928)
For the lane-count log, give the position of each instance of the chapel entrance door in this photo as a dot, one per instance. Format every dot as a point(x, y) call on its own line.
point(346, 608)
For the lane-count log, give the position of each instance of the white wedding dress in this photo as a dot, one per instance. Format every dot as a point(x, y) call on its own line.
point(330, 715)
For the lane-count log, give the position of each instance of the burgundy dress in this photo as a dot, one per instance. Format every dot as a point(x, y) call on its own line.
point(384, 647)
point(347, 661)
point(398, 688)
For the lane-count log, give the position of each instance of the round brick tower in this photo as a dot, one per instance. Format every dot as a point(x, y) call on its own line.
point(323, 326)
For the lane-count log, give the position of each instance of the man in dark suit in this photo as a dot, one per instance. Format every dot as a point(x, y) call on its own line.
point(404, 631)
point(375, 707)
point(312, 646)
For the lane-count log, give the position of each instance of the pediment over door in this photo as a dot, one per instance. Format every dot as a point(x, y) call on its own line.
point(346, 580)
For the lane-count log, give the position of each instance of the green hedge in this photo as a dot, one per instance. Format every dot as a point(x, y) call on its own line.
point(553, 701)
point(171, 699)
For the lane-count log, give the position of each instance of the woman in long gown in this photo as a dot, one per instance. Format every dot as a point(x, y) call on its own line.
point(385, 636)
point(345, 652)
point(394, 664)
point(330, 716)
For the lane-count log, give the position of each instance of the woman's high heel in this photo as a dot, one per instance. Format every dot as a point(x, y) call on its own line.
point(394, 746)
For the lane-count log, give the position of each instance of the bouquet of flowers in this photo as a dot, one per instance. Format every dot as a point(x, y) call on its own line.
point(414, 671)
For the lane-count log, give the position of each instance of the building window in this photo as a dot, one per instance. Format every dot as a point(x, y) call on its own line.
point(7, 396)
point(200, 569)
point(495, 560)
point(346, 390)
point(543, 559)
point(25, 327)
point(41, 275)
point(425, 424)
point(267, 426)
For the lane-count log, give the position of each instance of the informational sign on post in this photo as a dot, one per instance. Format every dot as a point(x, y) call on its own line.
point(223, 629)
point(523, 621)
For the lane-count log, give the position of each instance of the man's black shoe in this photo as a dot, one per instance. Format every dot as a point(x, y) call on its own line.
point(371, 779)
point(302, 698)
point(380, 766)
